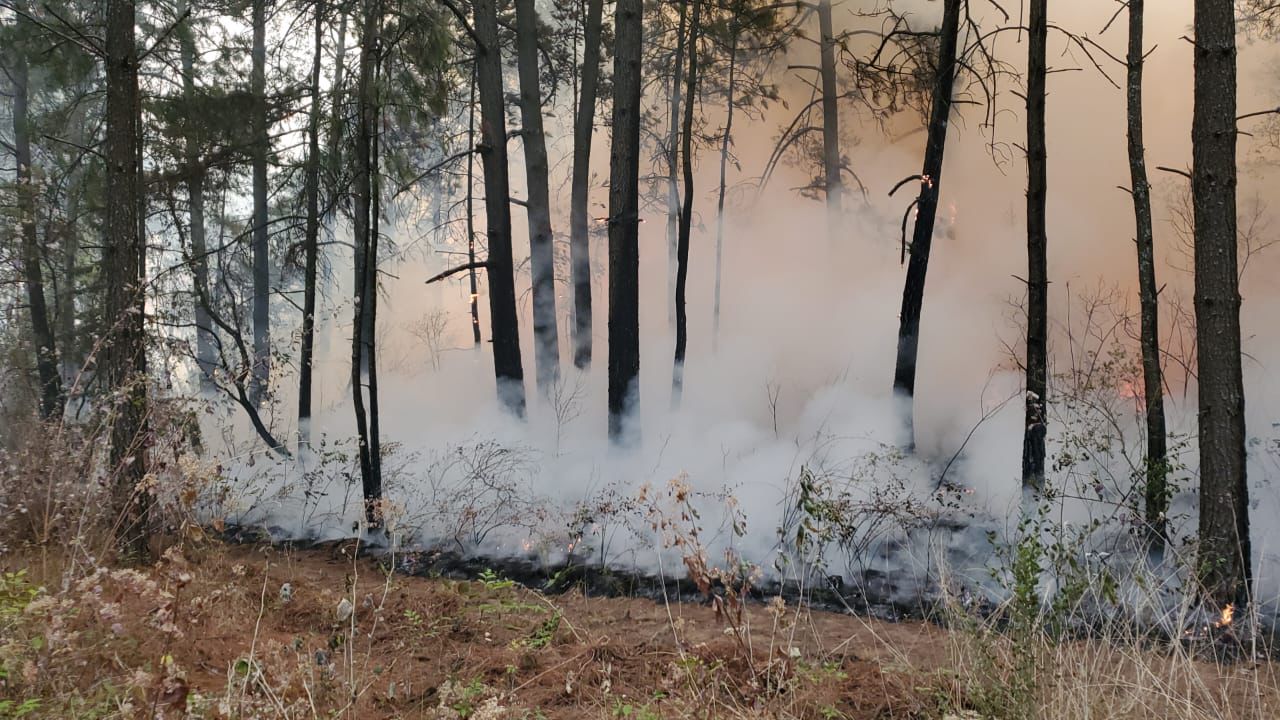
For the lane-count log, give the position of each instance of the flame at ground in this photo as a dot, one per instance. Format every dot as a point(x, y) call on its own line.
point(1228, 613)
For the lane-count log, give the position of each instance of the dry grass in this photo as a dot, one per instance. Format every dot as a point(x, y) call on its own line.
point(207, 632)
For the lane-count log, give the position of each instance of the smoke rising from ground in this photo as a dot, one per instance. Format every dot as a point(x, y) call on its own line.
point(802, 370)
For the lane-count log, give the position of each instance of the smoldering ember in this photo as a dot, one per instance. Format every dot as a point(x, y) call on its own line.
point(644, 359)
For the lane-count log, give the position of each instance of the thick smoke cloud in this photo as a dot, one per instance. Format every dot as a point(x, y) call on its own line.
point(801, 372)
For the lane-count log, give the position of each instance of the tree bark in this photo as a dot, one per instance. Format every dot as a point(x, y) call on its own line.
point(725, 143)
point(1037, 390)
point(505, 331)
point(124, 354)
point(261, 271)
point(311, 237)
point(830, 120)
point(542, 264)
point(336, 120)
point(471, 215)
point(365, 260)
point(579, 233)
point(1225, 562)
point(32, 255)
point(904, 377)
point(69, 351)
point(1157, 469)
point(673, 167)
point(624, 224)
point(686, 212)
point(206, 342)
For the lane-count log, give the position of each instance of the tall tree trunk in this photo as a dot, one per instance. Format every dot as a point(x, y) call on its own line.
point(579, 233)
point(686, 213)
point(1157, 492)
point(471, 214)
point(66, 298)
point(904, 376)
point(365, 257)
point(373, 491)
point(32, 255)
point(336, 121)
point(830, 120)
point(1225, 561)
point(505, 333)
point(206, 342)
point(311, 238)
point(1034, 427)
point(624, 222)
point(261, 270)
point(124, 356)
point(673, 167)
point(542, 261)
point(725, 143)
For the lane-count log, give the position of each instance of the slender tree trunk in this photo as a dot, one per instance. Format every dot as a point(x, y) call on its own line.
point(1225, 563)
point(66, 301)
point(261, 271)
point(336, 121)
point(471, 214)
point(686, 213)
point(904, 377)
point(624, 223)
point(311, 237)
point(505, 333)
point(373, 492)
point(830, 121)
point(725, 143)
point(365, 258)
point(542, 261)
point(32, 255)
point(1157, 492)
point(1034, 431)
point(124, 355)
point(673, 167)
point(579, 233)
point(206, 342)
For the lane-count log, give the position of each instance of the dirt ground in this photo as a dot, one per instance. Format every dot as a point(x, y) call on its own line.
point(218, 631)
point(269, 632)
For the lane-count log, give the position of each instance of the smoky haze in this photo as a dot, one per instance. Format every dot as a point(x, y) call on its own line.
point(802, 370)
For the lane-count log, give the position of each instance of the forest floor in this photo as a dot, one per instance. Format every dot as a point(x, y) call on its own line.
point(218, 631)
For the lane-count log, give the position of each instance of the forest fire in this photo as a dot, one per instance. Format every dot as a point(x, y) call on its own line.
point(1228, 614)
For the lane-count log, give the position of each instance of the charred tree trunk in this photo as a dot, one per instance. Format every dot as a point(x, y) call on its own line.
point(1225, 561)
point(336, 122)
point(542, 262)
point(904, 377)
point(1037, 399)
point(725, 143)
point(373, 489)
point(673, 168)
point(124, 355)
point(261, 271)
point(505, 332)
point(1157, 492)
point(365, 258)
point(624, 222)
point(206, 342)
point(579, 233)
point(686, 212)
point(471, 215)
point(311, 237)
point(32, 255)
point(830, 120)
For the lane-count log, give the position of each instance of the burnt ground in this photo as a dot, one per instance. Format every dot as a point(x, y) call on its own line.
point(263, 630)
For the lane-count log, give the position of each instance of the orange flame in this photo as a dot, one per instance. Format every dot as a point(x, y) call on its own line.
point(1228, 613)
